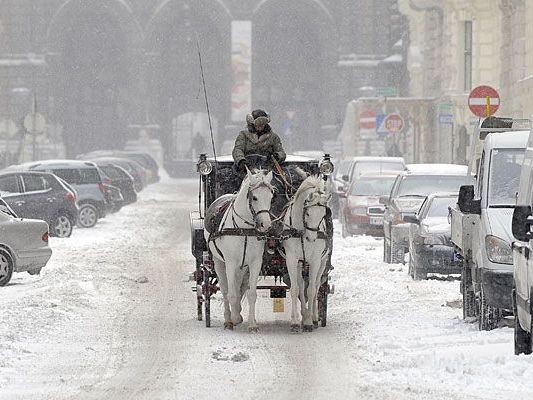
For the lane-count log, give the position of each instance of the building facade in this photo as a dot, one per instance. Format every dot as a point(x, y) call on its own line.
point(100, 70)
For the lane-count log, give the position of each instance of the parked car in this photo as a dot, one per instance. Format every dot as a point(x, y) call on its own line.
point(133, 168)
point(362, 212)
point(120, 178)
point(487, 212)
point(407, 195)
point(360, 165)
point(84, 177)
point(23, 244)
point(143, 159)
point(430, 238)
point(41, 195)
point(522, 292)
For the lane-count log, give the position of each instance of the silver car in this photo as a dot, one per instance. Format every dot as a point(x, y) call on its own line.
point(23, 244)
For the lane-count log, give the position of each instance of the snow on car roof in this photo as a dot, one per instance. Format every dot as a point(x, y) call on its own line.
point(434, 169)
point(443, 194)
point(57, 164)
point(507, 140)
point(379, 174)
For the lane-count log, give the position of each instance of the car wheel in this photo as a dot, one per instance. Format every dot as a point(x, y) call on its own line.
point(88, 216)
point(61, 226)
point(6, 267)
point(488, 316)
point(469, 297)
point(522, 338)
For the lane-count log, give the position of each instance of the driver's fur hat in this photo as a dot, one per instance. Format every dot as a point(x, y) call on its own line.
point(258, 116)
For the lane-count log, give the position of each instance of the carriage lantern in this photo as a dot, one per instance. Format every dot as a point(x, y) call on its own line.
point(326, 166)
point(204, 167)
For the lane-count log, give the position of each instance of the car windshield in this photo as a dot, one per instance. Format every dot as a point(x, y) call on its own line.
point(504, 176)
point(424, 185)
point(377, 166)
point(439, 206)
point(372, 186)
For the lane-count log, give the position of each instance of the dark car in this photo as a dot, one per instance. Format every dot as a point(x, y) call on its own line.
point(120, 178)
point(430, 242)
point(143, 159)
point(41, 195)
point(133, 168)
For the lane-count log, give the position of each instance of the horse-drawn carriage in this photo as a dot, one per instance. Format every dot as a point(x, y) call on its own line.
point(279, 229)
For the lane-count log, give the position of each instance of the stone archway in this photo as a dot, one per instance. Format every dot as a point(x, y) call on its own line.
point(173, 78)
point(294, 59)
point(91, 48)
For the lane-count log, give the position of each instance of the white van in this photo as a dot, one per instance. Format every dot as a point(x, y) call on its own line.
point(522, 259)
point(487, 277)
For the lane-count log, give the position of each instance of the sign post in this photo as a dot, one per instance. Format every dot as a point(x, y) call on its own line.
point(484, 101)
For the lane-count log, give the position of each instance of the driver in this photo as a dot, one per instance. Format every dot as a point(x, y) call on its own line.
point(257, 139)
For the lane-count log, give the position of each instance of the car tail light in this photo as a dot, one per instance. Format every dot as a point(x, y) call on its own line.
point(45, 237)
point(71, 197)
point(101, 187)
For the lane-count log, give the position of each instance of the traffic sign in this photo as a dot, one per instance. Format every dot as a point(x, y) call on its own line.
point(393, 123)
point(367, 119)
point(484, 101)
point(34, 123)
point(446, 119)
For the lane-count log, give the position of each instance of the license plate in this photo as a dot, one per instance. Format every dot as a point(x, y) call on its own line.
point(376, 220)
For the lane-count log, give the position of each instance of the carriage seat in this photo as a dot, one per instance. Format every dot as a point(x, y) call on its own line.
point(215, 212)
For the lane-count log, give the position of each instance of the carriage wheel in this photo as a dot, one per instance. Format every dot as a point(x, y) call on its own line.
point(207, 297)
point(199, 295)
point(323, 304)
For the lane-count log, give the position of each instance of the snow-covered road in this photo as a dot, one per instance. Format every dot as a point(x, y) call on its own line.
point(112, 317)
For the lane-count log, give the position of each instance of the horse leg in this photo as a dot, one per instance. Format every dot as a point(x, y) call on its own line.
point(314, 268)
point(301, 288)
point(317, 285)
point(292, 268)
point(220, 269)
point(255, 269)
point(233, 291)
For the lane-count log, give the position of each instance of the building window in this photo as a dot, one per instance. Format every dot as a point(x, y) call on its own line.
point(468, 56)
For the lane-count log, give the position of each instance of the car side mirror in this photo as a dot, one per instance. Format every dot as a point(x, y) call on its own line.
point(466, 202)
point(345, 178)
point(411, 219)
point(522, 222)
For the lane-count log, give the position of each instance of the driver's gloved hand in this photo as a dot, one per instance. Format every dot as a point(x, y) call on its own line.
point(241, 166)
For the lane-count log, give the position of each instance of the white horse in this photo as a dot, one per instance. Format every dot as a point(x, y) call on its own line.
point(306, 213)
point(238, 256)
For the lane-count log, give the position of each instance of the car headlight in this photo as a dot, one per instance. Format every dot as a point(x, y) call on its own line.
point(326, 166)
point(498, 250)
point(204, 167)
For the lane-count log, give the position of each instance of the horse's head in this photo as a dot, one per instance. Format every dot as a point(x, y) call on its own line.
point(260, 194)
point(314, 212)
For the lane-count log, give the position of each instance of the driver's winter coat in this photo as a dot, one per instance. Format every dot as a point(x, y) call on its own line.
point(250, 143)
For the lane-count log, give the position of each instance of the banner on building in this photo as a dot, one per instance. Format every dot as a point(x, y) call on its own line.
point(241, 64)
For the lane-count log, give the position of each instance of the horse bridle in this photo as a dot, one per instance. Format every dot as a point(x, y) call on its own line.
point(250, 198)
point(305, 208)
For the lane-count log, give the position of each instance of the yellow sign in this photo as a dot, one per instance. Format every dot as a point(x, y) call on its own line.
point(278, 305)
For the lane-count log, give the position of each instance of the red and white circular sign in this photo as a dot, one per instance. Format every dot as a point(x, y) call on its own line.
point(484, 101)
point(393, 123)
point(367, 119)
